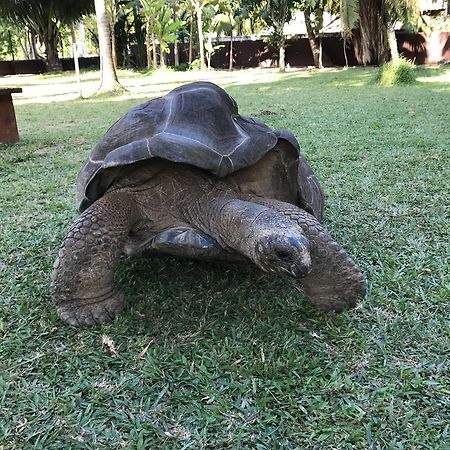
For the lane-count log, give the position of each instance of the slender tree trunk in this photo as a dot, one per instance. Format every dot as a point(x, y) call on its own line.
point(314, 41)
point(112, 20)
point(155, 54)
point(162, 56)
point(148, 46)
point(176, 54)
point(390, 32)
point(81, 46)
point(208, 52)
point(392, 41)
point(75, 60)
point(230, 65)
point(34, 54)
point(344, 43)
point(113, 47)
point(108, 82)
point(24, 45)
point(282, 57)
point(191, 31)
point(201, 45)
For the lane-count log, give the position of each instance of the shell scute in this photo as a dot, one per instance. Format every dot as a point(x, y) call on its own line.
point(196, 124)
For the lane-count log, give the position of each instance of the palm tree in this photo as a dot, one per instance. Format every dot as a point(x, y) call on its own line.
point(198, 6)
point(112, 8)
point(406, 11)
point(166, 30)
point(276, 14)
point(222, 24)
point(149, 9)
point(313, 12)
point(160, 26)
point(108, 76)
point(45, 18)
point(225, 22)
point(178, 11)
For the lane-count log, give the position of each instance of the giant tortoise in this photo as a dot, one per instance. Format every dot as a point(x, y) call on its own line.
point(185, 174)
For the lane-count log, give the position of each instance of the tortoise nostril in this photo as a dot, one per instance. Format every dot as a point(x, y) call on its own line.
point(300, 243)
point(301, 270)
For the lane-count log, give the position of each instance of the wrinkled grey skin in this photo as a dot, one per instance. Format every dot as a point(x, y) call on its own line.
point(185, 175)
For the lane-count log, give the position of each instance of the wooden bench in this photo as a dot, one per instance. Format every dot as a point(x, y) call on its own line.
point(8, 125)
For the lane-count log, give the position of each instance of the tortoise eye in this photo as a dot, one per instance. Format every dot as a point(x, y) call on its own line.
point(283, 254)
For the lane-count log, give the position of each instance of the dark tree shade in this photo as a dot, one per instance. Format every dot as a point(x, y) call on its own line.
point(45, 17)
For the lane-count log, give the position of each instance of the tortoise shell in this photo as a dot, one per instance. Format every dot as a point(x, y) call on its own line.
point(196, 124)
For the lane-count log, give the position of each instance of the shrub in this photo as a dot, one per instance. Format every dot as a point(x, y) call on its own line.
point(181, 67)
point(397, 72)
point(195, 65)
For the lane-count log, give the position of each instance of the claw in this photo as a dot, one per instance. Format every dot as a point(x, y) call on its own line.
point(88, 314)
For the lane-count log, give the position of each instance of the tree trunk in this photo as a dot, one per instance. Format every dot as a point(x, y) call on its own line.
point(198, 10)
point(314, 41)
point(155, 54)
point(344, 43)
point(81, 47)
point(208, 52)
point(34, 53)
point(176, 54)
point(148, 45)
point(50, 37)
point(191, 30)
point(162, 56)
point(112, 20)
point(282, 57)
point(24, 45)
point(392, 41)
point(369, 38)
point(230, 65)
point(108, 81)
point(75, 59)
point(390, 32)
point(113, 48)
point(52, 59)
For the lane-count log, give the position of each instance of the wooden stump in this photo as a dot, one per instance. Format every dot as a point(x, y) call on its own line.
point(8, 125)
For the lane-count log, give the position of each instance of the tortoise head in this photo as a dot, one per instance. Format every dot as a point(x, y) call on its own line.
point(285, 253)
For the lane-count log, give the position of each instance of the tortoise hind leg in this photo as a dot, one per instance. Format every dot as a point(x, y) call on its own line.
point(82, 280)
point(335, 282)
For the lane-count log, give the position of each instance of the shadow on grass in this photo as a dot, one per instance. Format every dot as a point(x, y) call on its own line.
point(432, 71)
point(169, 298)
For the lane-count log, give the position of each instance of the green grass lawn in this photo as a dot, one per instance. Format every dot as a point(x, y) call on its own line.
point(211, 356)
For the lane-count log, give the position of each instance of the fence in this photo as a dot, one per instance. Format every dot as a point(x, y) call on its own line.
point(422, 48)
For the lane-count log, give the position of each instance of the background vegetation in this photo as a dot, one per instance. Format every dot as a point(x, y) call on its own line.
point(220, 356)
point(141, 30)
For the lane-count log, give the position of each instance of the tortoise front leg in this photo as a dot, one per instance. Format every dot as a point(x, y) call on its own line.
point(335, 282)
point(82, 280)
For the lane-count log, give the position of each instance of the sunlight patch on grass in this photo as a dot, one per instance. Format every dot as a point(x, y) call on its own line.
point(44, 89)
point(438, 78)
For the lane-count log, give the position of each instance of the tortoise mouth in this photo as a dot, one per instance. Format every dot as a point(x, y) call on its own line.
point(294, 270)
point(301, 270)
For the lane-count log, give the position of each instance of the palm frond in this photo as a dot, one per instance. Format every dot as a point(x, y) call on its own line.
point(349, 14)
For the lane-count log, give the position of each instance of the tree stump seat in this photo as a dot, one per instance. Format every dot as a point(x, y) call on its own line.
point(8, 125)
